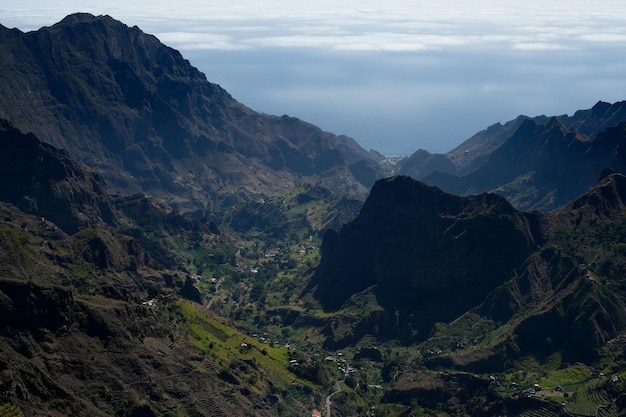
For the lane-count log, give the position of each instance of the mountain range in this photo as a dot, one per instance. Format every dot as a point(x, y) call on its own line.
point(141, 115)
point(162, 251)
point(429, 257)
point(537, 163)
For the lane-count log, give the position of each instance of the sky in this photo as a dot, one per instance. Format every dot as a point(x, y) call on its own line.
point(396, 76)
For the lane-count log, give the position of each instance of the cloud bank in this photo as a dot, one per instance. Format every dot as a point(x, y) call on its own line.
point(364, 25)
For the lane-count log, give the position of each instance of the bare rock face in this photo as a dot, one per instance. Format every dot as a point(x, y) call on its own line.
point(45, 181)
point(136, 111)
point(416, 256)
point(417, 245)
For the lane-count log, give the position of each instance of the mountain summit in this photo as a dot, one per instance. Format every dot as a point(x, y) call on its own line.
point(537, 163)
point(136, 111)
point(414, 246)
point(418, 257)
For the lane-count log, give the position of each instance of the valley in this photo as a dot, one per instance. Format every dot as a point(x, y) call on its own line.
point(167, 251)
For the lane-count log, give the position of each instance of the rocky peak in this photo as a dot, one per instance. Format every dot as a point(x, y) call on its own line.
point(136, 111)
point(543, 166)
point(555, 125)
point(413, 244)
point(600, 108)
point(600, 117)
point(605, 201)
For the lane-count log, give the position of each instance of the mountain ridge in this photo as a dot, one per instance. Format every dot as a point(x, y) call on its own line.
point(530, 161)
point(45, 181)
point(91, 323)
point(136, 111)
point(397, 245)
point(526, 278)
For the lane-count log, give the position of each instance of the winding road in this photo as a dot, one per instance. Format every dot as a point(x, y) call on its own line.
point(337, 391)
point(217, 292)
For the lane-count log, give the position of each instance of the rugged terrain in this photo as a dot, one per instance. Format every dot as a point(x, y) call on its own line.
point(93, 324)
point(537, 163)
point(138, 113)
point(167, 251)
point(477, 284)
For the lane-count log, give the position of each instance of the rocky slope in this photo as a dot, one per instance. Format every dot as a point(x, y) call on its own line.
point(141, 115)
point(413, 246)
point(429, 257)
point(45, 181)
point(112, 351)
point(542, 166)
point(463, 159)
point(536, 163)
point(91, 316)
point(92, 325)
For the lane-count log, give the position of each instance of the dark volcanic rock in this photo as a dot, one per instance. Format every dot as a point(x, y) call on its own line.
point(422, 163)
point(600, 117)
point(42, 180)
point(416, 256)
point(24, 305)
point(416, 245)
point(543, 166)
point(536, 163)
point(143, 116)
point(573, 299)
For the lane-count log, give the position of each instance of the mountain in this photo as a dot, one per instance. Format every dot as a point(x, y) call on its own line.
point(471, 288)
point(164, 297)
point(542, 166)
point(42, 180)
point(91, 324)
point(536, 163)
point(413, 245)
point(426, 263)
point(138, 113)
point(463, 159)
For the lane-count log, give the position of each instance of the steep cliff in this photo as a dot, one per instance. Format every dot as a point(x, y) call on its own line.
point(421, 265)
point(140, 114)
point(45, 181)
point(417, 246)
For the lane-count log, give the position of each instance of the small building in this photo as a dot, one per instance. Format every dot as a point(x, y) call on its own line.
point(316, 413)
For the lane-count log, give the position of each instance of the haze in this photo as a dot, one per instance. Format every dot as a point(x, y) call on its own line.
point(397, 76)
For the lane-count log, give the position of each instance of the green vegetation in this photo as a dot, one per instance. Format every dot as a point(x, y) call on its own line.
point(434, 305)
point(226, 347)
point(260, 291)
point(10, 410)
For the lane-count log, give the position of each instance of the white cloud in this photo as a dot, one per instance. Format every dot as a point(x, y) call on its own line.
point(539, 46)
point(617, 38)
point(203, 41)
point(398, 25)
